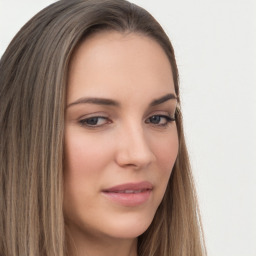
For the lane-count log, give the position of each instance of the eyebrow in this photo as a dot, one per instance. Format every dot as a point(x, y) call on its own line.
point(163, 99)
point(97, 101)
point(110, 102)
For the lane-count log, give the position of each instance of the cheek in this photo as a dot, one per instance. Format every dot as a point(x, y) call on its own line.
point(82, 155)
point(166, 150)
point(85, 160)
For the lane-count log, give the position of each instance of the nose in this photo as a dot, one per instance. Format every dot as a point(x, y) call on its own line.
point(133, 148)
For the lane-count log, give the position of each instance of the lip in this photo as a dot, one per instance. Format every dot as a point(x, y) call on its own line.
point(129, 194)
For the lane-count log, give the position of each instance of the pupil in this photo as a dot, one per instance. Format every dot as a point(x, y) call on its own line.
point(92, 121)
point(155, 119)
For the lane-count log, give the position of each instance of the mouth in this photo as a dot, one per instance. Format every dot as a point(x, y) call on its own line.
point(128, 191)
point(129, 194)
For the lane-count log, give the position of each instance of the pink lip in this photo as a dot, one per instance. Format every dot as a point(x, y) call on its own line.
point(129, 194)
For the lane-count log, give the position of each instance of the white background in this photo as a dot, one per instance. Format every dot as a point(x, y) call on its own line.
point(215, 48)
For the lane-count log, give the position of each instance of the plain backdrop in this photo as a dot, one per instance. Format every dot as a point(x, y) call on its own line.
point(215, 43)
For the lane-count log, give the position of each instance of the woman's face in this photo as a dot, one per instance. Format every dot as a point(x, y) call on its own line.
point(120, 138)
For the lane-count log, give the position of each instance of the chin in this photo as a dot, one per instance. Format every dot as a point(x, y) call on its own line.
point(128, 228)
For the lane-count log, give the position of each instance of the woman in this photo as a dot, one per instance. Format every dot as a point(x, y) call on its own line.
point(93, 157)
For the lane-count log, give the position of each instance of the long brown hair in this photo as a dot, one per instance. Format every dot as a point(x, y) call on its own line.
point(33, 80)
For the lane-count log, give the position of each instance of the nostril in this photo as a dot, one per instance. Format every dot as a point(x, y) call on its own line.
point(136, 154)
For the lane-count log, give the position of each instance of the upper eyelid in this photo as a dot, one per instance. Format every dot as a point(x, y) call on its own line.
point(106, 112)
point(170, 113)
point(108, 121)
point(91, 115)
point(169, 117)
point(96, 116)
point(106, 116)
point(82, 121)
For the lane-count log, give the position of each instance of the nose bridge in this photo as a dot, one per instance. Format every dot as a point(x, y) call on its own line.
point(134, 148)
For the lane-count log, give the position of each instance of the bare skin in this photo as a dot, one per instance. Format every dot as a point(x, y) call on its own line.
point(119, 130)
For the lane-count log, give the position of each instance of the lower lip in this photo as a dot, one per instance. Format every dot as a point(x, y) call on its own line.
point(132, 199)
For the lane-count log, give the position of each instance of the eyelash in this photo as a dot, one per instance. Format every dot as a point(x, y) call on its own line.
point(85, 122)
point(95, 119)
point(168, 120)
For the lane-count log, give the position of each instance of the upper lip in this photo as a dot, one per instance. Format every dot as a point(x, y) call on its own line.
point(145, 185)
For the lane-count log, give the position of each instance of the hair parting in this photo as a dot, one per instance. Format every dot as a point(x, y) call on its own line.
point(33, 85)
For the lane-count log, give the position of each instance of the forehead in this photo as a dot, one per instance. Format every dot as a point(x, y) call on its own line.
point(111, 64)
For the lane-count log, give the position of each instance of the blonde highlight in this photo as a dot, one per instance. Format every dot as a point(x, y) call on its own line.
point(33, 83)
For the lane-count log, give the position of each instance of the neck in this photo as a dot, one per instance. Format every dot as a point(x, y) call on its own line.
point(101, 246)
